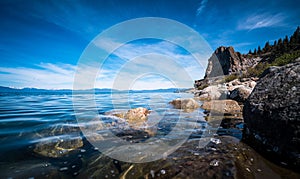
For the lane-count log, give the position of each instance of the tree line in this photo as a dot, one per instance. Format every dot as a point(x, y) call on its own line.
point(280, 46)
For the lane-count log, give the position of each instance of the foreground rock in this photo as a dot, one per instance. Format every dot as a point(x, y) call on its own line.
point(222, 106)
point(272, 114)
point(223, 157)
point(188, 104)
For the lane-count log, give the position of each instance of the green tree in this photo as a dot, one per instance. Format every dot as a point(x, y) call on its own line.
point(275, 43)
point(285, 44)
point(279, 45)
point(267, 47)
point(258, 50)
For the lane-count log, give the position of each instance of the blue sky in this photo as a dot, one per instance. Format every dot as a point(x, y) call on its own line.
point(41, 41)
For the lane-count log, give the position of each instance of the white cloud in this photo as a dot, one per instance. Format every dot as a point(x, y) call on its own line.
point(201, 7)
point(45, 75)
point(261, 20)
point(58, 76)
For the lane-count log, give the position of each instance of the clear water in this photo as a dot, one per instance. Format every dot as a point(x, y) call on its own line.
point(27, 119)
point(30, 119)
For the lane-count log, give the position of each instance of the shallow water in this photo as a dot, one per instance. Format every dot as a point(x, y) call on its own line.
point(33, 124)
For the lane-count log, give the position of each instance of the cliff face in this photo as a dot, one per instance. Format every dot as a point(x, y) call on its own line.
point(225, 61)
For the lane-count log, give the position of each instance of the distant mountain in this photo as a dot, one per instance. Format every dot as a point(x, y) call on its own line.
point(4, 89)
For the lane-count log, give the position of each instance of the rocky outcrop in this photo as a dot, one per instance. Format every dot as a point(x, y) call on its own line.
point(272, 114)
point(185, 104)
point(222, 106)
point(226, 61)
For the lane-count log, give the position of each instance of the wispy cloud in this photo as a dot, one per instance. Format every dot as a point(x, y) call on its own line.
point(45, 75)
point(201, 7)
point(257, 21)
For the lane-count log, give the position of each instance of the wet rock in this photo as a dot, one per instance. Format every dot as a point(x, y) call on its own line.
point(240, 94)
point(222, 106)
point(272, 114)
point(136, 118)
point(185, 104)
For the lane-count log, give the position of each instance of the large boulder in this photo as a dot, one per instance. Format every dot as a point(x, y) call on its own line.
point(222, 106)
point(272, 114)
point(185, 104)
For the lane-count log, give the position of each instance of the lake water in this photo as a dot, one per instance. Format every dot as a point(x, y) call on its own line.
point(40, 135)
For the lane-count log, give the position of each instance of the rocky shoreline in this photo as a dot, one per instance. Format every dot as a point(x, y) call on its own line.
point(269, 103)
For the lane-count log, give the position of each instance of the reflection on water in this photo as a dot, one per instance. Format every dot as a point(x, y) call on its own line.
point(40, 137)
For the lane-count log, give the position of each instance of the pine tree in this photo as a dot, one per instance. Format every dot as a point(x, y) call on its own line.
point(295, 40)
point(250, 52)
point(267, 47)
point(285, 44)
point(279, 45)
point(255, 52)
point(258, 50)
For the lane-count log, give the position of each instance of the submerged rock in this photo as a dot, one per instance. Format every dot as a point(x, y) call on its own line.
point(222, 106)
point(57, 148)
point(58, 141)
point(185, 104)
point(272, 114)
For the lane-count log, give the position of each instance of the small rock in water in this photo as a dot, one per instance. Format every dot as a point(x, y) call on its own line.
point(63, 169)
point(82, 150)
point(259, 170)
point(196, 153)
point(112, 171)
point(152, 173)
point(163, 172)
point(73, 166)
point(283, 163)
point(214, 163)
point(248, 169)
point(216, 141)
